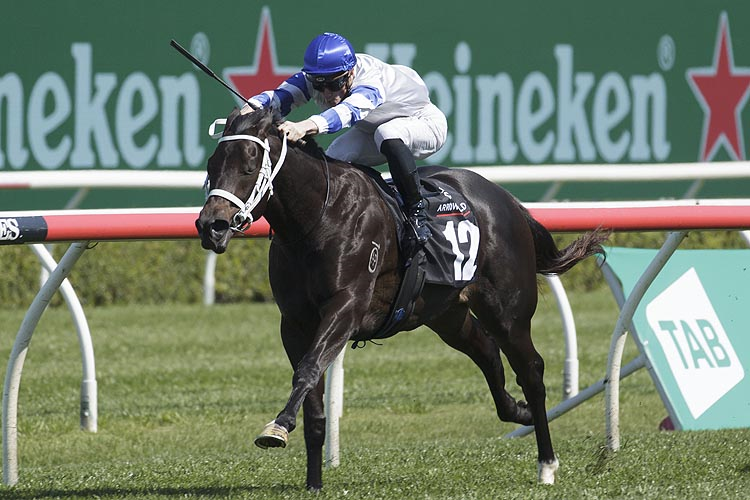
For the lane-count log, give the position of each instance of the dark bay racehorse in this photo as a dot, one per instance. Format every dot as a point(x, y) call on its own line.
point(326, 216)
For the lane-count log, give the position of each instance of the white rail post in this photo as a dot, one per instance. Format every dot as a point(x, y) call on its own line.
point(614, 359)
point(89, 400)
point(334, 408)
point(570, 368)
point(18, 355)
point(209, 279)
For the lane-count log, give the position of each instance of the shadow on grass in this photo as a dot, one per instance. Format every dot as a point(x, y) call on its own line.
point(205, 492)
point(602, 461)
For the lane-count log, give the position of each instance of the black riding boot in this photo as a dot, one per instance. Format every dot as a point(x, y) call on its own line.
point(404, 171)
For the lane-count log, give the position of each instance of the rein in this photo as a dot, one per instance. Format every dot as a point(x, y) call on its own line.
point(263, 185)
point(320, 215)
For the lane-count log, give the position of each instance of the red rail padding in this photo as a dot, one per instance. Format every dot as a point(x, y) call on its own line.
point(165, 224)
point(654, 218)
point(130, 227)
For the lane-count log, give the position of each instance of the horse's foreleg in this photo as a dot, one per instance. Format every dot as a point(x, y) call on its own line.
point(315, 433)
point(308, 387)
point(308, 375)
point(276, 435)
point(310, 360)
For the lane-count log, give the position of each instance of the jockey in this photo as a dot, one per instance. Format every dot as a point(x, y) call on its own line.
point(387, 107)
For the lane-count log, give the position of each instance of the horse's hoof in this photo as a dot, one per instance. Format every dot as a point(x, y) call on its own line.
point(547, 471)
point(272, 436)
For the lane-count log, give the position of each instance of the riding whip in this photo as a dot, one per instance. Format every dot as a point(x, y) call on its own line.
point(207, 70)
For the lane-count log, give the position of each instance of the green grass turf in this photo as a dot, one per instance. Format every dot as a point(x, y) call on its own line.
point(183, 390)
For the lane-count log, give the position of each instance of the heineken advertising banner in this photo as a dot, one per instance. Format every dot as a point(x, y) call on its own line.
point(94, 84)
point(692, 325)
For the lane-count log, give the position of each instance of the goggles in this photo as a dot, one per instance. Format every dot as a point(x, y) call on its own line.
point(334, 83)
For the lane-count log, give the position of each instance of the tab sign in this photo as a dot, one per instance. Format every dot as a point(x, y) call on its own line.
point(701, 357)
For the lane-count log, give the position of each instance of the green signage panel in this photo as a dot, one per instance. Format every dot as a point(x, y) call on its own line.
point(694, 328)
point(94, 84)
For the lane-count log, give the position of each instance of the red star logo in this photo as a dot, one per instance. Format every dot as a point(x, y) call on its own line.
point(264, 73)
point(722, 91)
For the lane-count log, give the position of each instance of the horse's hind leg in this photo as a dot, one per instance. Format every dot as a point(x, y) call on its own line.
point(514, 339)
point(460, 330)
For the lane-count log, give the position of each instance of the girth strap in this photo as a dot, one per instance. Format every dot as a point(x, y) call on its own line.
point(408, 292)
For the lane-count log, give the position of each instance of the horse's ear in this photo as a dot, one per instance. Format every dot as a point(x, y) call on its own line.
point(234, 114)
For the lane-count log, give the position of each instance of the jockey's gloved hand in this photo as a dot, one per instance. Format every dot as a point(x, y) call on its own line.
point(250, 106)
point(297, 130)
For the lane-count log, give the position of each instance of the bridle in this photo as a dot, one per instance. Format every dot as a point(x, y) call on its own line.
point(263, 185)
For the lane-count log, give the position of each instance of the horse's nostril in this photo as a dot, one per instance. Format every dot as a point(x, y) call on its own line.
point(220, 226)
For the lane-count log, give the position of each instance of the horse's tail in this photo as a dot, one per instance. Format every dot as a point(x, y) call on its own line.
point(551, 260)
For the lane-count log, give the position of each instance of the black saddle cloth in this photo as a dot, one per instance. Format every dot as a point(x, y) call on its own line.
point(451, 251)
point(448, 257)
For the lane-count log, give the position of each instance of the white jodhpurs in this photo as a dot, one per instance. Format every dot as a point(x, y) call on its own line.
point(424, 134)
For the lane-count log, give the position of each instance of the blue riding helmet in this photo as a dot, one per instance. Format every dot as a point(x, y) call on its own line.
point(327, 54)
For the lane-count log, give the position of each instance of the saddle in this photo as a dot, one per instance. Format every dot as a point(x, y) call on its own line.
point(448, 257)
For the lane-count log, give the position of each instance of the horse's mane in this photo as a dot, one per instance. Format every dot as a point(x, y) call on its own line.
point(266, 122)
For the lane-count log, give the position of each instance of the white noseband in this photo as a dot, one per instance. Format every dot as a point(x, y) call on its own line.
point(264, 184)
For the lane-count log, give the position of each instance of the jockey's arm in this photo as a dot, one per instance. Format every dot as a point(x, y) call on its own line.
point(290, 94)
